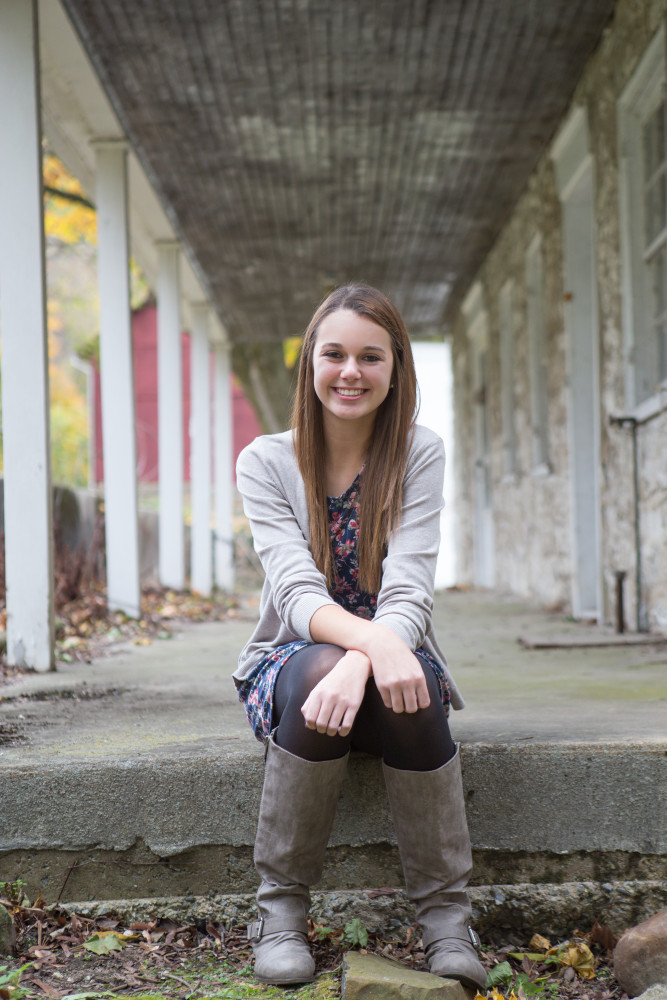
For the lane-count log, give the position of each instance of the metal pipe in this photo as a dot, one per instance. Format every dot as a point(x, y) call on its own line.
point(620, 611)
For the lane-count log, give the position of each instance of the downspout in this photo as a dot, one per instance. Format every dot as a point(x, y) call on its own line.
point(632, 422)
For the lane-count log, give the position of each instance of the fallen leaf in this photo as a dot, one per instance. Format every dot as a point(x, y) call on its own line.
point(533, 956)
point(580, 958)
point(102, 944)
point(603, 935)
point(86, 996)
point(50, 992)
point(539, 943)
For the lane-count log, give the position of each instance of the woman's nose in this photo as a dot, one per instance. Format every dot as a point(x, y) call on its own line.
point(350, 368)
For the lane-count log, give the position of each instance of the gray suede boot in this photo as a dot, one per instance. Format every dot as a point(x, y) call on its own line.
point(295, 817)
point(429, 815)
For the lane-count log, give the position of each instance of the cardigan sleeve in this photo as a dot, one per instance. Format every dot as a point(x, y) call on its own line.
point(405, 601)
point(298, 588)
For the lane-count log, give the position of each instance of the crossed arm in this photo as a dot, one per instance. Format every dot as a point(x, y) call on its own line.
point(372, 648)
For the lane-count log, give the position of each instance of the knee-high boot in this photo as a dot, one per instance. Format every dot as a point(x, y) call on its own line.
point(295, 817)
point(429, 816)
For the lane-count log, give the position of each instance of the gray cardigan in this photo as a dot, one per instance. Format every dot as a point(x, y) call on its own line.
point(274, 500)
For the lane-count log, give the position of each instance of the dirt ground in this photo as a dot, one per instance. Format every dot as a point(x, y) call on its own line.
point(64, 956)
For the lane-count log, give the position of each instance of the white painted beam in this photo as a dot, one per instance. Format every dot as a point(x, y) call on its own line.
point(117, 380)
point(201, 553)
point(25, 390)
point(170, 418)
point(224, 481)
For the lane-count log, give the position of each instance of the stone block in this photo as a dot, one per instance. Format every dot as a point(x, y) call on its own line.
point(7, 933)
point(640, 957)
point(654, 993)
point(369, 977)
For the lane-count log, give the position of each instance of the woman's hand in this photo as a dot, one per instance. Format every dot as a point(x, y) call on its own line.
point(397, 672)
point(332, 705)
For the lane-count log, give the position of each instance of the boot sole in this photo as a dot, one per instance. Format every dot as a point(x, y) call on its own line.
point(274, 981)
point(463, 980)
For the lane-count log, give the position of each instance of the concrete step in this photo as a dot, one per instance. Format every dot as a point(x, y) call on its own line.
point(137, 777)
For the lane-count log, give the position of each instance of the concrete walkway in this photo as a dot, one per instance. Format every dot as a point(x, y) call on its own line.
point(178, 692)
point(137, 775)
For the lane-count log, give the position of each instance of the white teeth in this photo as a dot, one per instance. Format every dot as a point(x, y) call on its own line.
point(350, 392)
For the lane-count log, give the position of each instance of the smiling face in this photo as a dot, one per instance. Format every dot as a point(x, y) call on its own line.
point(352, 367)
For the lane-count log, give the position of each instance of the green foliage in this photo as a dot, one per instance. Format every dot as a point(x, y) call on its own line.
point(533, 988)
point(355, 934)
point(324, 932)
point(14, 891)
point(500, 975)
point(10, 981)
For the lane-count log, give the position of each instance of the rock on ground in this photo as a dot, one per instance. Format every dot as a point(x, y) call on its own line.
point(655, 993)
point(640, 957)
point(369, 977)
point(7, 933)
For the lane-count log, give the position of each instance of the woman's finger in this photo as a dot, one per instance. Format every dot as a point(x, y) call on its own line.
point(410, 700)
point(311, 709)
point(423, 697)
point(397, 701)
point(335, 718)
point(348, 720)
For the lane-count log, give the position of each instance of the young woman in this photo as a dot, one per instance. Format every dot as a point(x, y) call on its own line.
point(345, 513)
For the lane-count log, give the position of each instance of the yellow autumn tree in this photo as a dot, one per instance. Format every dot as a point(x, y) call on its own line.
point(69, 216)
point(70, 228)
point(72, 315)
point(69, 413)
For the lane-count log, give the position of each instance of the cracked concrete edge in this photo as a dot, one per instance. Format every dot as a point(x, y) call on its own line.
point(560, 799)
point(523, 908)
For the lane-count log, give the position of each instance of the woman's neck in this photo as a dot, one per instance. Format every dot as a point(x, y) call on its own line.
point(346, 449)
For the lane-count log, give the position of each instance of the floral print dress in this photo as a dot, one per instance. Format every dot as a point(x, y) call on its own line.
point(256, 691)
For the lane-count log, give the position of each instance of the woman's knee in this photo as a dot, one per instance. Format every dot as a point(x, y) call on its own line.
point(384, 720)
point(305, 669)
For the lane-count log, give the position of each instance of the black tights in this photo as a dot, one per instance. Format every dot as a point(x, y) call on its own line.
point(410, 741)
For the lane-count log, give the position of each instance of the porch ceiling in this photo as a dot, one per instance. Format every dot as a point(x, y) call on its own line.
point(299, 143)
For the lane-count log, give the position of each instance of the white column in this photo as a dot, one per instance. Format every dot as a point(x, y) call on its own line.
point(25, 388)
point(170, 418)
point(117, 380)
point(201, 554)
point(224, 481)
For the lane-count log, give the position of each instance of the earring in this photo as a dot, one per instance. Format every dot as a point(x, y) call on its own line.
point(391, 386)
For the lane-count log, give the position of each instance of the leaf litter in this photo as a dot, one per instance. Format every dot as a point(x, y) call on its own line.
point(86, 629)
point(66, 956)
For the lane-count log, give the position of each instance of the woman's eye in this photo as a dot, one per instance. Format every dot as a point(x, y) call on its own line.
point(372, 357)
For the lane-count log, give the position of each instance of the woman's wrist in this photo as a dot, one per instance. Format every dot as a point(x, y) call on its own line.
point(359, 660)
point(333, 624)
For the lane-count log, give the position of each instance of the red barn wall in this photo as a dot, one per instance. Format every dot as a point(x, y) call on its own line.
point(144, 345)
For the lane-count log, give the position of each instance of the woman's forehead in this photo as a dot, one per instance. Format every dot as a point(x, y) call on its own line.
point(346, 325)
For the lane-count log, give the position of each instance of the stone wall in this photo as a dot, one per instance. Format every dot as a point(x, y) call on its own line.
point(533, 548)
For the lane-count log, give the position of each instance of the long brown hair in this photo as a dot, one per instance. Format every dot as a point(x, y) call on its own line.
point(387, 456)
